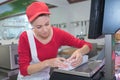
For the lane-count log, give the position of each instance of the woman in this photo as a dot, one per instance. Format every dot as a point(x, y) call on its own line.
point(47, 41)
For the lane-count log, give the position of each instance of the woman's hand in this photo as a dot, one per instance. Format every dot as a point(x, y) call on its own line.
point(56, 62)
point(75, 59)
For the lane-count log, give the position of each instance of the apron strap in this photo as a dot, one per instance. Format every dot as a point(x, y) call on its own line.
point(32, 46)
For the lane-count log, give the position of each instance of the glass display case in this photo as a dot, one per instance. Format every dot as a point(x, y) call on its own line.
point(11, 28)
point(8, 33)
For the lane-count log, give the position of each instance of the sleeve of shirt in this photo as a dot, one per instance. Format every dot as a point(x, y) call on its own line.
point(70, 40)
point(24, 54)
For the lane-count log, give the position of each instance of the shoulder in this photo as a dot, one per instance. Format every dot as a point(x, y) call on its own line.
point(59, 31)
point(23, 34)
point(23, 39)
point(62, 34)
point(56, 29)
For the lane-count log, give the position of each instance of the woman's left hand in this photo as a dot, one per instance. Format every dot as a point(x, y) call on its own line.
point(75, 59)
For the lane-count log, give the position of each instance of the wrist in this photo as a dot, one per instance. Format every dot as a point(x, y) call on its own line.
point(46, 63)
point(80, 52)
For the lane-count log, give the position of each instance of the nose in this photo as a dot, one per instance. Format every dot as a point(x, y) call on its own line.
point(44, 29)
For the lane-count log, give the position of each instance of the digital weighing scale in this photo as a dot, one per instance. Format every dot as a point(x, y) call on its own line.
point(92, 70)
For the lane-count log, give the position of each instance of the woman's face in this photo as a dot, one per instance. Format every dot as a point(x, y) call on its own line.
point(41, 26)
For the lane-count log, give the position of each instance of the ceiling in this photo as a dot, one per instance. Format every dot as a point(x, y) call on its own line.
point(61, 2)
point(75, 1)
point(4, 1)
point(53, 2)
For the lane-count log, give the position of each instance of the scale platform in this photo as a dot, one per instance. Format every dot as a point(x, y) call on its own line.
point(85, 71)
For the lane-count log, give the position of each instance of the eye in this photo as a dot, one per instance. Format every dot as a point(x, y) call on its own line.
point(47, 24)
point(38, 27)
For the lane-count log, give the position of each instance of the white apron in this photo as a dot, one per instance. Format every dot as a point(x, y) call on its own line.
point(42, 75)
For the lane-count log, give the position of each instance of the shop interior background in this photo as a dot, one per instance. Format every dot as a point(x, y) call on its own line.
point(72, 17)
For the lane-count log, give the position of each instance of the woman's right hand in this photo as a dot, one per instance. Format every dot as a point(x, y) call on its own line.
point(56, 62)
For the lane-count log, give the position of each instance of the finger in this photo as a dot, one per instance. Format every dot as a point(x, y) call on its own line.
point(71, 58)
point(62, 65)
point(77, 57)
point(76, 62)
point(74, 59)
point(60, 61)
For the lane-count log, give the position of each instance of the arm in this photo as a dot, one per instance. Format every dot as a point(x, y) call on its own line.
point(83, 47)
point(54, 62)
point(84, 50)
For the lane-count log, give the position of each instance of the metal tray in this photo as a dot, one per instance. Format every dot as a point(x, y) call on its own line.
point(87, 70)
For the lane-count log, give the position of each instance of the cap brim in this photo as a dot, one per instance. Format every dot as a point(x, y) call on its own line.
point(37, 14)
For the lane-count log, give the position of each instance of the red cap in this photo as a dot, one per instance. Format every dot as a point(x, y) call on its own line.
point(35, 9)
